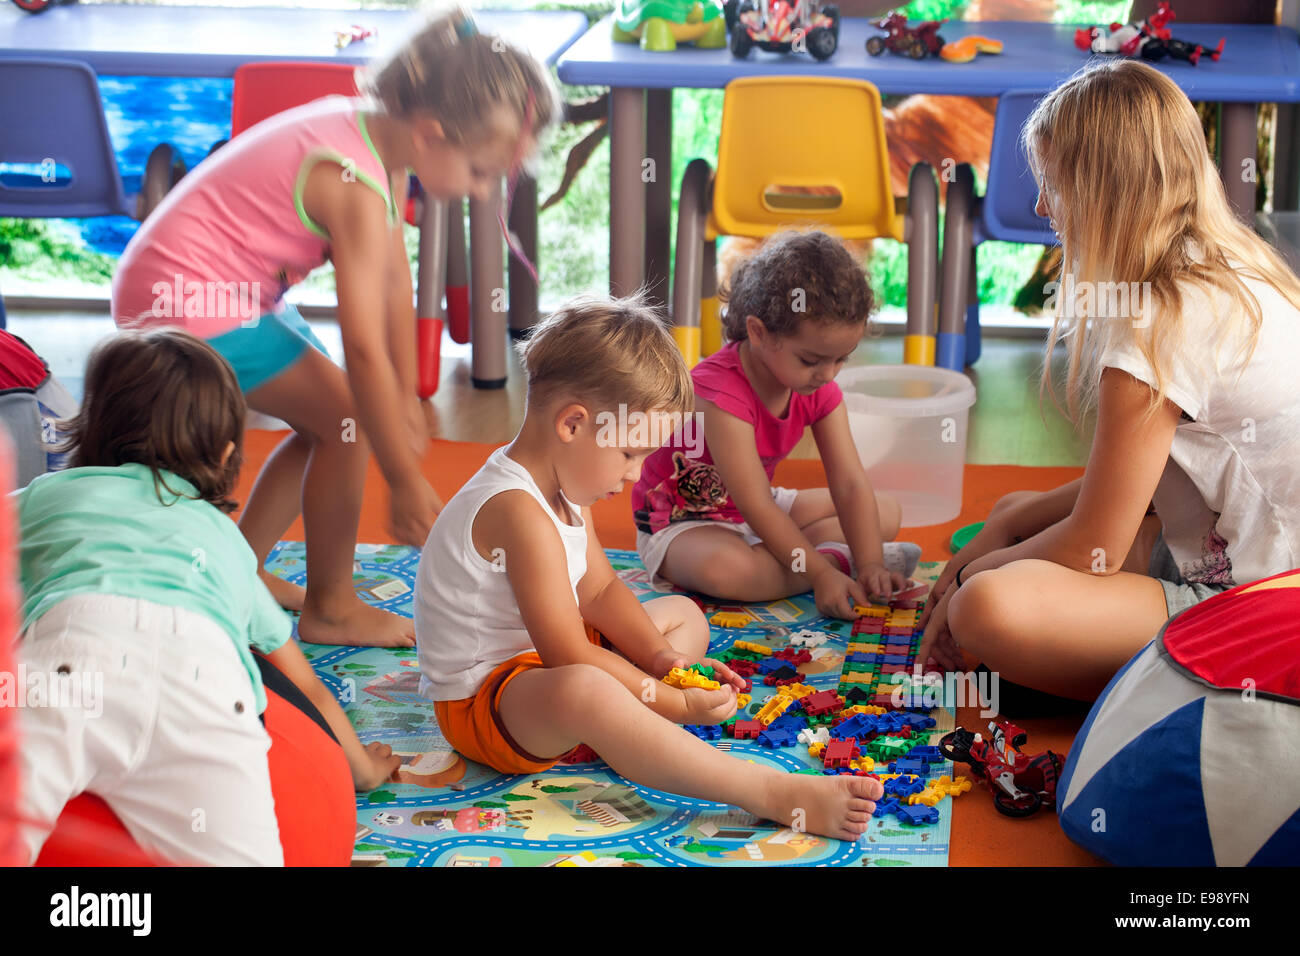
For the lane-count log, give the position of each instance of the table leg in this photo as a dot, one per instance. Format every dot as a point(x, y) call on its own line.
point(431, 279)
point(487, 294)
point(658, 193)
point(523, 290)
point(1238, 133)
point(627, 203)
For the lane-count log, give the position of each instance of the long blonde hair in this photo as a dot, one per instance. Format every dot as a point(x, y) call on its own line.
point(1139, 205)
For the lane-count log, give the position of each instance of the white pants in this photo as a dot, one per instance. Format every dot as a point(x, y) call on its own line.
point(165, 730)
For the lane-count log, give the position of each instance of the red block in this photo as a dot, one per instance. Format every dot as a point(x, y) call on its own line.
point(746, 729)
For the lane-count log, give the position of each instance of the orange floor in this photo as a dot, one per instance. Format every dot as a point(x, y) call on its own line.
point(980, 835)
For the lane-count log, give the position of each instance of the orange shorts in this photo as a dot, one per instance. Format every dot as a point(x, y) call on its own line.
point(473, 725)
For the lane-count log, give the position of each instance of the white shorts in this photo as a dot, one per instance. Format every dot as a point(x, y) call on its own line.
point(653, 547)
point(157, 717)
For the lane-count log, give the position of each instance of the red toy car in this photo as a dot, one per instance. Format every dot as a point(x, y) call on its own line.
point(917, 42)
point(780, 26)
point(1021, 784)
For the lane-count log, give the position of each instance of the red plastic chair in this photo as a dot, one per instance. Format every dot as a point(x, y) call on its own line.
point(264, 89)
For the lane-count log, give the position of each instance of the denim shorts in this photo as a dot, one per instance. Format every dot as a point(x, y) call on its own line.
point(261, 350)
point(1180, 594)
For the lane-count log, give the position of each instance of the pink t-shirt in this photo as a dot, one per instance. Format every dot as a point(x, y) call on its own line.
point(226, 243)
point(676, 487)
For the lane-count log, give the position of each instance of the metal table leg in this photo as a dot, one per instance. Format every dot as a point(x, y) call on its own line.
point(627, 204)
point(1238, 132)
point(658, 193)
point(523, 290)
point(431, 280)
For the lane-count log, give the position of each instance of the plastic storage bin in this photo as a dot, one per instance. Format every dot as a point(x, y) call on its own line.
point(909, 423)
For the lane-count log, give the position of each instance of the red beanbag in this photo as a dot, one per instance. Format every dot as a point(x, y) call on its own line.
point(314, 803)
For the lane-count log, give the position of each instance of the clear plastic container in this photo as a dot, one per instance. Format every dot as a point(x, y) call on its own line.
point(909, 423)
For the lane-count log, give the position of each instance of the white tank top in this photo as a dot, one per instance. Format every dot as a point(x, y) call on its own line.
point(466, 617)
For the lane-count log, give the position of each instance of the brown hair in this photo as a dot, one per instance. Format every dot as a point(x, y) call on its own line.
point(165, 399)
point(605, 352)
point(463, 77)
point(793, 276)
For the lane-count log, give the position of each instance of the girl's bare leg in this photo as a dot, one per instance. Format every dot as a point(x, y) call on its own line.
point(717, 562)
point(552, 710)
point(814, 512)
point(1054, 629)
point(273, 504)
point(314, 397)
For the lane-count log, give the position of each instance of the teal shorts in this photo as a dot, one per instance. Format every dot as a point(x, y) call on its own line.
point(263, 349)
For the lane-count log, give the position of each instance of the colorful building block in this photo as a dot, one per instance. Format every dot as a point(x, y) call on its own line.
point(773, 708)
point(839, 753)
point(777, 738)
point(730, 619)
point(750, 646)
point(918, 815)
point(704, 731)
point(822, 702)
point(678, 677)
point(808, 638)
point(746, 729)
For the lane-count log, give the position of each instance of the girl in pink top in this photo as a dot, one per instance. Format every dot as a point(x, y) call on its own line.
point(708, 518)
point(328, 181)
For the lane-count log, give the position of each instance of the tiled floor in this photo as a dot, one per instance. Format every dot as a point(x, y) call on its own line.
point(1007, 424)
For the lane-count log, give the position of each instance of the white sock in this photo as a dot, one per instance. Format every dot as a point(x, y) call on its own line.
point(900, 556)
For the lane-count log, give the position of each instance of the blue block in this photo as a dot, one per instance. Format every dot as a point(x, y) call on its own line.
point(856, 726)
point(917, 815)
point(884, 806)
point(788, 721)
point(771, 664)
point(704, 731)
point(917, 768)
point(917, 721)
point(928, 753)
point(858, 657)
point(893, 658)
point(777, 738)
point(903, 787)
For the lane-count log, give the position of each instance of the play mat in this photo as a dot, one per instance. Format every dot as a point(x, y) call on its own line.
point(448, 811)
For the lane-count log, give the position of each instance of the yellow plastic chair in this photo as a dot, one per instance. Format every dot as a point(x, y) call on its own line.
point(801, 151)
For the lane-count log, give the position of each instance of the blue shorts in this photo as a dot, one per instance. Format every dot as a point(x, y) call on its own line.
point(263, 349)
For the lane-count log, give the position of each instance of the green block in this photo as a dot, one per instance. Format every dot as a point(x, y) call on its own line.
point(703, 670)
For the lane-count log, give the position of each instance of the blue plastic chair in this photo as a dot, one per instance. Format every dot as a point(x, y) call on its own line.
point(55, 130)
point(1005, 212)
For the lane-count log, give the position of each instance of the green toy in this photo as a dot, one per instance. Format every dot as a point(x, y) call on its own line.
point(961, 537)
point(661, 24)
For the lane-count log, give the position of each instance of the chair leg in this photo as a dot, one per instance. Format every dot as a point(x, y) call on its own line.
point(692, 207)
point(457, 274)
point(523, 290)
point(4, 319)
point(973, 311)
point(922, 236)
point(957, 243)
point(488, 304)
point(431, 277)
point(710, 317)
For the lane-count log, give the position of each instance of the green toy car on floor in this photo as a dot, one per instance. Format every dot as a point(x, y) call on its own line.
point(661, 24)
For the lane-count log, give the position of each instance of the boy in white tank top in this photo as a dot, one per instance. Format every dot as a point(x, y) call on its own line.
point(529, 643)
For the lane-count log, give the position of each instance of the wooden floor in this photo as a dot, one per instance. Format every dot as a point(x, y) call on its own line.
point(1008, 426)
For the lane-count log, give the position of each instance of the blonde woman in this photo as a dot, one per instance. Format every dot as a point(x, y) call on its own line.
point(1181, 329)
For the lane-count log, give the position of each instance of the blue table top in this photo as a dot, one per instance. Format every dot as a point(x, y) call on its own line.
point(1259, 63)
point(213, 41)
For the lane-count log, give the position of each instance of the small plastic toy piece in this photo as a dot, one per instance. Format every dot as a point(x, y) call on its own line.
point(917, 815)
point(704, 731)
point(774, 708)
point(753, 648)
point(782, 676)
point(659, 25)
point(777, 738)
point(1021, 784)
point(581, 754)
point(353, 34)
point(886, 806)
point(677, 677)
point(918, 768)
point(746, 729)
point(794, 656)
point(917, 42)
point(839, 753)
point(782, 26)
point(742, 701)
point(928, 753)
point(731, 619)
point(810, 736)
point(807, 638)
point(822, 702)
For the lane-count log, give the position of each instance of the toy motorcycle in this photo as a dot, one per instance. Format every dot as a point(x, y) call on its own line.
point(1021, 784)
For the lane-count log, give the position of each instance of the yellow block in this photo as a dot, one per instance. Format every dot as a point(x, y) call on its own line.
point(677, 677)
point(688, 343)
point(751, 646)
point(918, 349)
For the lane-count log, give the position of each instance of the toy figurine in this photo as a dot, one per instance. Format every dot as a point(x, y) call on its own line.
point(659, 25)
point(782, 26)
point(917, 42)
point(1021, 784)
point(1151, 39)
point(964, 50)
point(353, 34)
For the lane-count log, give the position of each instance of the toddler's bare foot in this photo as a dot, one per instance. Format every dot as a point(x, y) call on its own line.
point(838, 807)
point(357, 624)
point(288, 595)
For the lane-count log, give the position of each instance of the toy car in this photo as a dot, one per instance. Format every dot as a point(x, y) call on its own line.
point(1021, 784)
point(353, 34)
point(1151, 39)
point(780, 26)
point(917, 42)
